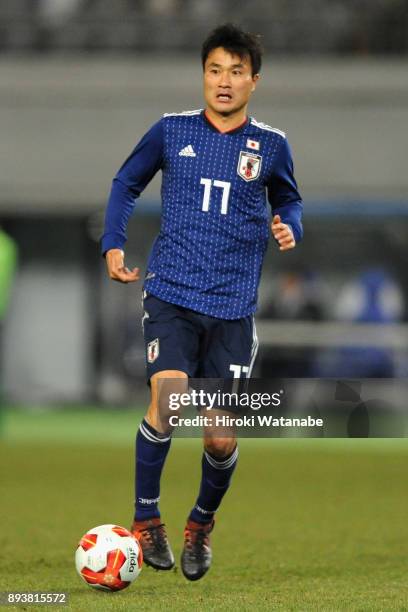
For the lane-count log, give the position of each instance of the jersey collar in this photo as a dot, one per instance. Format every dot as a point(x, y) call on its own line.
point(239, 128)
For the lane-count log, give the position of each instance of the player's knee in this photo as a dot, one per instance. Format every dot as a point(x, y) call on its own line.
point(220, 447)
point(165, 385)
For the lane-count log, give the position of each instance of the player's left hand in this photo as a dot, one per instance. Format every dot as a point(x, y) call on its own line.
point(283, 234)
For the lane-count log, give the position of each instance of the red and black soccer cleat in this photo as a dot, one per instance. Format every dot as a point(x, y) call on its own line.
point(153, 539)
point(196, 556)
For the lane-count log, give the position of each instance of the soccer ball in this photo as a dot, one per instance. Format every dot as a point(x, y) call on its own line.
point(108, 557)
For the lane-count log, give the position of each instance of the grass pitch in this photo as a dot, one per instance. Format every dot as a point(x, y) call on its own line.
point(307, 524)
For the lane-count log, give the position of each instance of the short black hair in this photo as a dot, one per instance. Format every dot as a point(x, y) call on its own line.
point(236, 41)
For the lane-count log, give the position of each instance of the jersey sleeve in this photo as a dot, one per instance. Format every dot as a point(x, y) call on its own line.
point(132, 178)
point(283, 194)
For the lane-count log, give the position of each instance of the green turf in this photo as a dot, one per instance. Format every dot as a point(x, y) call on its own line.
point(307, 525)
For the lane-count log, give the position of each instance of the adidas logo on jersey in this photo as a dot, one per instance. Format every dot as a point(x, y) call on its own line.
point(188, 151)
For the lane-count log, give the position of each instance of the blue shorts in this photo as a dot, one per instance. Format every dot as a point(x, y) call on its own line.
point(177, 338)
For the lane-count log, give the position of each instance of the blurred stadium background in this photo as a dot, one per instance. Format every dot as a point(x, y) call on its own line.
point(82, 80)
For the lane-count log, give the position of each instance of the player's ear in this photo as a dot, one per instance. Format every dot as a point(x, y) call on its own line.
point(255, 79)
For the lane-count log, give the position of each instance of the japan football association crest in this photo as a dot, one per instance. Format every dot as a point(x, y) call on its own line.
point(153, 349)
point(249, 165)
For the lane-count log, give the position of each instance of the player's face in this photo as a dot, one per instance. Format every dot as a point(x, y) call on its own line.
point(228, 82)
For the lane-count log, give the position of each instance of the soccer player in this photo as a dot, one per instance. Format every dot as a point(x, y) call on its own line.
point(200, 288)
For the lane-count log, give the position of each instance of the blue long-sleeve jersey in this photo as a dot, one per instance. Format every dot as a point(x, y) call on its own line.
point(215, 229)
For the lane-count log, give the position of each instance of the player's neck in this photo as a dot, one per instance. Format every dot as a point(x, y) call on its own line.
point(226, 123)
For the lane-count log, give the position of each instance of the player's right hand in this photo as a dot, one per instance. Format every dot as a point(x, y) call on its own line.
point(115, 261)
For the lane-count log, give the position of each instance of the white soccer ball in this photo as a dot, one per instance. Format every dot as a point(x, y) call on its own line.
point(108, 557)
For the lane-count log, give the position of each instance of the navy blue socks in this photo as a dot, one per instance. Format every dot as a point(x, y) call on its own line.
point(215, 480)
point(151, 452)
